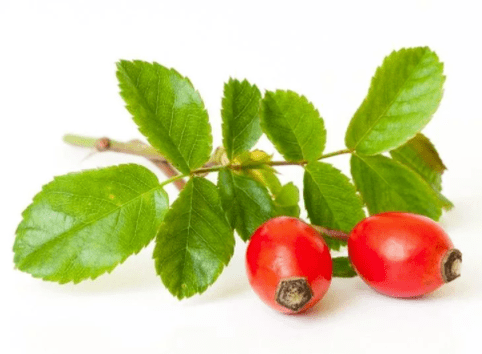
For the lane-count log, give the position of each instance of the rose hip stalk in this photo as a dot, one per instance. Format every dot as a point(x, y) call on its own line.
point(288, 264)
point(403, 254)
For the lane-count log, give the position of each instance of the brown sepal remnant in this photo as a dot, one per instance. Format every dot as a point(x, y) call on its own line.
point(451, 264)
point(293, 293)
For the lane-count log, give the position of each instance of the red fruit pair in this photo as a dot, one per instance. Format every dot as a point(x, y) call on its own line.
point(398, 254)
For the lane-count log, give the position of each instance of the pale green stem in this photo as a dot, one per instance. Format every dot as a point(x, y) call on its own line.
point(136, 147)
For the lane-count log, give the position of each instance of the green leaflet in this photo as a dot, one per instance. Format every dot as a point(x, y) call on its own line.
point(293, 125)
point(421, 156)
point(444, 202)
point(331, 200)
point(266, 175)
point(168, 111)
point(342, 268)
point(287, 200)
point(387, 185)
point(247, 203)
point(240, 113)
point(195, 241)
point(404, 93)
point(83, 224)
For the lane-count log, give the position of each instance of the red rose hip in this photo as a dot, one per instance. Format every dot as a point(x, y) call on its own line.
point(403, 254)
point(288, 264)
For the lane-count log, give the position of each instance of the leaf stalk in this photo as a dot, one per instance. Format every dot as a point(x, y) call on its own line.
point(138, 148)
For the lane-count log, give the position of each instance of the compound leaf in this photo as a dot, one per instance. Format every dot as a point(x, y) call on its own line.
point(293, 125)
point(168, 111)
point(240, 113)
point(83, 224)
point(195, 241)
point(404, 93)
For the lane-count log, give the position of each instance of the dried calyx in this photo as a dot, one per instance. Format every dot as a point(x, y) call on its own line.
point(451, 265)
point(293, 293)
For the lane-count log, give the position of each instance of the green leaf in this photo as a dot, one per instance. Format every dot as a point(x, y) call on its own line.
point(267, 177)
point(420, 155)
point(253, 158)
point(84, 224)
point(168, 111)
point(240, 113)
point(444, 202)
point(342, 268)
point(404, 93)
point(264, 174)
point(387, 185)
point(195, 241)
point(247, 203)
point(331, 200)
point(287, 201)
point(293, 124)
point(285, 198)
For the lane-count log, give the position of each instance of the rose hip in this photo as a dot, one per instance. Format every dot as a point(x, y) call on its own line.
point(288, 264)
point(402, 254)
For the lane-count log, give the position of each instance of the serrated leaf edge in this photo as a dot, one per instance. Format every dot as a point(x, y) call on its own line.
point(199, 290)
point(107, 270)
point(279, 146)
point(184, 166)
point(233, 154)
point(417, 176)
point(372, 88)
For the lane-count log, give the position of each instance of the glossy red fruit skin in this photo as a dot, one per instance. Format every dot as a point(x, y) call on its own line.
point(286, 248)
point(399, 254)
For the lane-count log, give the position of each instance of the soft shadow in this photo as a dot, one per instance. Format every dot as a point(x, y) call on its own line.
point(137, 273)
point(460, 288)
point(221, 292)
point(231, 283)
point(446, 291)
point(342, 293)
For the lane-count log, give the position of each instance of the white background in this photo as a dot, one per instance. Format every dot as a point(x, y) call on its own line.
point(57, 75)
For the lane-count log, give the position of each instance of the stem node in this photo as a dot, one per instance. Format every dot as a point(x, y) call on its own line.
point(102, 144)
